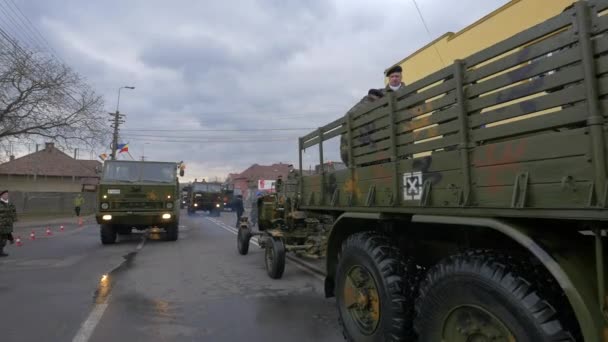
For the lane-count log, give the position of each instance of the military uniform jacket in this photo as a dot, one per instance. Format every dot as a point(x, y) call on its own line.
point(8, 215)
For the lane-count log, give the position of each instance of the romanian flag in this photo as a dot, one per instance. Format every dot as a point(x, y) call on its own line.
point(123, 148)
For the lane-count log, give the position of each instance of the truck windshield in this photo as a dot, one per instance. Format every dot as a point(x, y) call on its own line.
point(139, 172)
point(206, 187)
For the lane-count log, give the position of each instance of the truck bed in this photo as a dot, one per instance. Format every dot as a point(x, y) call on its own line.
point(516, 130)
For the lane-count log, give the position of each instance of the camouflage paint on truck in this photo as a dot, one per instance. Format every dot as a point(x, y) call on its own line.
point(491, 170)
point(137, 194)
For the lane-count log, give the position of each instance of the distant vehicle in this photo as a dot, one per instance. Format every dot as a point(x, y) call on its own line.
point(206, 196)
point(137, 194)
point(229, 193)
point(185, 194)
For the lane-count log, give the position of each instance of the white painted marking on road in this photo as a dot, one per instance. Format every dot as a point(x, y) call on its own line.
point(87, 328)
point(141, 244)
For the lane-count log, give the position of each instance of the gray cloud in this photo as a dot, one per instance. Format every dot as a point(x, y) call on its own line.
point(209, 65)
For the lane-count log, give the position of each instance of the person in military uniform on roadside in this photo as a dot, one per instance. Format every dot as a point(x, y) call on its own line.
point(394, 75)
point(372, 95)
point(78, 203)
point(8, 215)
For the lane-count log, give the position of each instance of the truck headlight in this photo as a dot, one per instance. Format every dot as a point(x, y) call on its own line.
point(105, 206)
point(166, 216)
point(196, 204)
point(169, 205)
point(217, 205)
point(106, 217)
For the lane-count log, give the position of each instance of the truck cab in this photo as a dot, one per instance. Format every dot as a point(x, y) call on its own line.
point(137, 195)
point(206, 196)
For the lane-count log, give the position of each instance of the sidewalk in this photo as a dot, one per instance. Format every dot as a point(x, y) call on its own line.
point(39, 222)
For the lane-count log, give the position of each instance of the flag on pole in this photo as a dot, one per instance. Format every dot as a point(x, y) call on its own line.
point(103, 156)
point(123, 148)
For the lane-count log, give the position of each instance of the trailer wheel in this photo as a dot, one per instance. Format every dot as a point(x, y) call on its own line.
point(487, 296)
point(243, 238)
point(375, 287)
point(108, 234)
point(275, 257)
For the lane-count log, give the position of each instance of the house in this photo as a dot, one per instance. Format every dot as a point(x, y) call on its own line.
point(247, 181)
point(49, 170)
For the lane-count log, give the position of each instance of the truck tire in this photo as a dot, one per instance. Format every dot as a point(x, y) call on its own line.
point(243, 238)
point(486, 295)
point(275, 257)
point(108, 234)
point(375, 290)
point(172, 232)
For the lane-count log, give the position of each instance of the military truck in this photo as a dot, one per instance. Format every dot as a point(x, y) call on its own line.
point(206, 196)
point(138, 195)
point(475, 204)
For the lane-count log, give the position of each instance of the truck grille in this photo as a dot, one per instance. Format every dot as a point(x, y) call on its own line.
point(132, 205)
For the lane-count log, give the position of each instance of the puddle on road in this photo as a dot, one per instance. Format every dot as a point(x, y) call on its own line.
point(107, 280)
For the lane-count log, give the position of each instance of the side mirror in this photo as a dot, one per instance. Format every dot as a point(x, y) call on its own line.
point(181, 173)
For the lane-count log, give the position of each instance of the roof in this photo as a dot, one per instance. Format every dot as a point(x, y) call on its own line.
point(51, 162)
point(255, 172)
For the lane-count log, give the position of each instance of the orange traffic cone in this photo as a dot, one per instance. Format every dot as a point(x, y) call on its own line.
point(61, 228)
point(18, 241)
point(48, 231)
point(32, 235)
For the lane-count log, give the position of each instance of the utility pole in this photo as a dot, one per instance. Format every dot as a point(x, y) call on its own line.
point(116, 121)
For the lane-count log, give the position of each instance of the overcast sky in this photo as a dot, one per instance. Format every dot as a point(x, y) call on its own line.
point(203, 69)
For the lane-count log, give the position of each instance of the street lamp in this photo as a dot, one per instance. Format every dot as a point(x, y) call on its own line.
point(116, 123)
point(118, 102)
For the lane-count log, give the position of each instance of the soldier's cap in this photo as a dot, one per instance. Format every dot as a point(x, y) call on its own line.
point(375, 92)
point(394, 69)
point(3, 192)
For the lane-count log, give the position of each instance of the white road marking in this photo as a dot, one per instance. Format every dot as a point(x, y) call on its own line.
point(87, 328)
point(303, 265)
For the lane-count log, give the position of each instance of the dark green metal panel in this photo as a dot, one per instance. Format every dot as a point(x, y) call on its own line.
point(560, 78)
point(565, 117)
point(539, 49)
point(427, 107)
point(551, 100)
point(426, 94)
point(525, 72)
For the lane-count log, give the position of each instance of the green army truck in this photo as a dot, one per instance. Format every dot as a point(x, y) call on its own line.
point(206, 196)
point(138, 195)
point(475, 204)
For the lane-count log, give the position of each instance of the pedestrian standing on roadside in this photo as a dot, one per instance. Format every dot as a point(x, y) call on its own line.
point(8, 215)
point(239, 208)
point(78, 203)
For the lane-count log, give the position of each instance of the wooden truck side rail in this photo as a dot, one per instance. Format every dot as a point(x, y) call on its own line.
point(515, 130)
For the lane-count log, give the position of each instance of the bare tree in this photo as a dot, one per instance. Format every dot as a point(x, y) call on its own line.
point(41, 98)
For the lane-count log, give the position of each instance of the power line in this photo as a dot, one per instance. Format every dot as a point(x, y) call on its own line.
point(37, 32)
point(428, 31)
point(219, 130)
point(19, 28)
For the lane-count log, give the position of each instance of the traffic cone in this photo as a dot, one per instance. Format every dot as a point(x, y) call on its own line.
point(61, 228)
point(48, 231)
point(32, 235)
point(18, 241)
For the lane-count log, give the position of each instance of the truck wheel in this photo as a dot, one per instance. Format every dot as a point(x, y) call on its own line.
point(172, 232)
point(275, 257)
point(108, 234)
point(487, 296)
point(243, 238)
point(375, 290)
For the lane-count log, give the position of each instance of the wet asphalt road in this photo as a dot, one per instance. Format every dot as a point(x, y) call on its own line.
point(195, 289)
